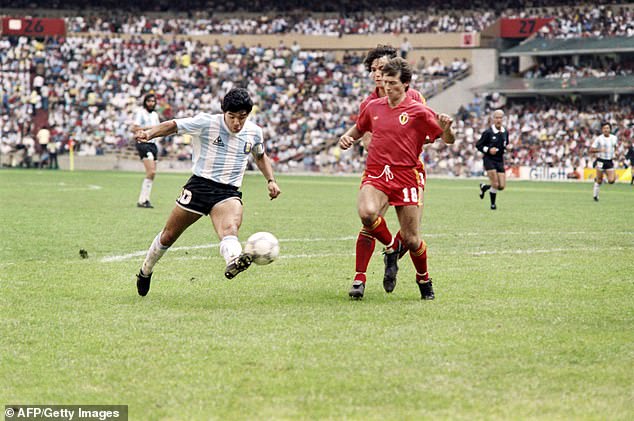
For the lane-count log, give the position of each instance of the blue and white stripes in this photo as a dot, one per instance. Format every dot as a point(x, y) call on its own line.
point(218, 154)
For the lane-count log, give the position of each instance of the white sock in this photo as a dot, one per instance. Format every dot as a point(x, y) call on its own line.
point(493, 190)
point(146, 189)
point(156, 251)
point(595, 189)
point(230, 248)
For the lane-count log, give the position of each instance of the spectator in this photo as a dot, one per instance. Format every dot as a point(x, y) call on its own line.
point(405, 48)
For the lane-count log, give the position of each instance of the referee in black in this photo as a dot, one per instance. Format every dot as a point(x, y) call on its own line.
point(492, 144)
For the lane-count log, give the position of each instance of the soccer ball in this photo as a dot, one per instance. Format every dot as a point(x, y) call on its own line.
point(263, 247)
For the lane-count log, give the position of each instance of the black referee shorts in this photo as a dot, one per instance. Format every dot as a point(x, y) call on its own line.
point(493, 164)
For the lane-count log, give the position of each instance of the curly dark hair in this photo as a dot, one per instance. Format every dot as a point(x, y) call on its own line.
point(237, 100)
point(378, 52)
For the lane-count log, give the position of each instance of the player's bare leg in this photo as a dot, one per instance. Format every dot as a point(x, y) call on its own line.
point(493, 181)
point(501, 181)
point(610, 175)
point(409, 219)
point(226, 217)
point(492, 187)
point(146, 188)
point(370, 203)
point(178, 221)
point(597, 184)
point(501, 185)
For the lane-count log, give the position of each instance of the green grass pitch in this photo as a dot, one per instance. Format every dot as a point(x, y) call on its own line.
point(534, 315)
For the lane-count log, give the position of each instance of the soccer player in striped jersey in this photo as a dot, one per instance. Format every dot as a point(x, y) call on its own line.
point(604, 147)
point(400, 127)
point(374, 62)
point(148, 152)
point(222, 145)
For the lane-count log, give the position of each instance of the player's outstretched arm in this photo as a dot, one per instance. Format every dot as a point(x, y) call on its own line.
point(166, 128)
point(445, 121)
point(264, 165)
point(348, 138)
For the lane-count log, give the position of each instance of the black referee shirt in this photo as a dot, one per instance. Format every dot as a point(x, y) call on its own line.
point(490, 139)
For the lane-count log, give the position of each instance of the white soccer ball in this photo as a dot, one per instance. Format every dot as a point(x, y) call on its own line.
point(263, 247)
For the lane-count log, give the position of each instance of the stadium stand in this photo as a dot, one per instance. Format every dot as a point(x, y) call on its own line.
point(303, 98)
point(547, 132)
point(87, 84)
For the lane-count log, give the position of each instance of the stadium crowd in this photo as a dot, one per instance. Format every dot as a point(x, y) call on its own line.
point(579, 21)
point(188, 7)
point(543, 133)
point(558, 67)
point(590, 21)
point(467, 21)
point(91, 87)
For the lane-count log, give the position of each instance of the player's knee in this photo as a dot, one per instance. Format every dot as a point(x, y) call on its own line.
point(368, 216)
point(168, 238)
point(229, 228)
point(411, 241)
point(368, 219)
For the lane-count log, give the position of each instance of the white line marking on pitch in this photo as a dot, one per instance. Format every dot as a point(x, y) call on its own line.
point(206, 246)
point(63, 187)
point(538, 251)
point(120, 258)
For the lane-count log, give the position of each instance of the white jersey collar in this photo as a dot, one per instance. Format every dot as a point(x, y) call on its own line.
point(496, 131)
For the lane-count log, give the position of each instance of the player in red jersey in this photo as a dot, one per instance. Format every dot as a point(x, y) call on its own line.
point(400, 127)
point(374, 62)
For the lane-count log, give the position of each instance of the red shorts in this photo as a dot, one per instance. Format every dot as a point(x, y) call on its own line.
point(403, 186)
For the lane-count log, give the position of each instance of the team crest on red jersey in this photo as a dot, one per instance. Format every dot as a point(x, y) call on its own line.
point(403, 118)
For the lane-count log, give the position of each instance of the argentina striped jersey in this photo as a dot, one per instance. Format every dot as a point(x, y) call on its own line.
point(218, 154)
point(145, 119)
point(607, 144)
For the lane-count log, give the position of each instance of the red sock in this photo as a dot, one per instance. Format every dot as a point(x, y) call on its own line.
point(360, 277)
point(380, 231)
point(419, 258)
point(365, 248)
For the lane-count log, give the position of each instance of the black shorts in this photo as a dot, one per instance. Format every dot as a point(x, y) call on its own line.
point(147, 151)
point(200, 195)
point(603, 164)
point(493, 164)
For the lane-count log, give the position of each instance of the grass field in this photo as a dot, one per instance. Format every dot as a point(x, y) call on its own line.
point(534, 315)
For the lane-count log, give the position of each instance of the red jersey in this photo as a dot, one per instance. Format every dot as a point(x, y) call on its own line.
point(412, 93)
point(398, 134)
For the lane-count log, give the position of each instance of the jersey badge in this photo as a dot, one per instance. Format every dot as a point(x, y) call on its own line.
point(218, 142)
point(403, 118)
